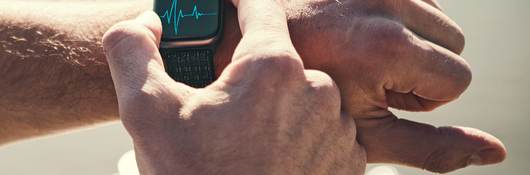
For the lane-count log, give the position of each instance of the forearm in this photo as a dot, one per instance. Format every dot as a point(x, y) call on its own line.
point(53, 74)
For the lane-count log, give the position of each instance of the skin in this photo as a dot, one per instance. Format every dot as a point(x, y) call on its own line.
point(409, 48)
point(291, 119)
point(54, 76)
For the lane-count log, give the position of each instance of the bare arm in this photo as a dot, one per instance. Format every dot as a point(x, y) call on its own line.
point(53, 73)
point(381, 55)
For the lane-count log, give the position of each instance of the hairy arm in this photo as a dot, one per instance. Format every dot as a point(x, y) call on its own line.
point(53, 73)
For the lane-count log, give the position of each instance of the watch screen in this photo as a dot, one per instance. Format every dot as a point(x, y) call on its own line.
point(185, 19)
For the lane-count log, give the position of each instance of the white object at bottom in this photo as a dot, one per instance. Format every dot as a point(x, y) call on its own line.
point(383, 170)
point(127, 164)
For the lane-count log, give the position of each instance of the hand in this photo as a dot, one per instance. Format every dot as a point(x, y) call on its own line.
point(264, 115)
point(398, 54)
point(390, 54)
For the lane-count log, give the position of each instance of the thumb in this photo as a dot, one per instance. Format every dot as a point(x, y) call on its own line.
point(437, 149)
point(131, 48)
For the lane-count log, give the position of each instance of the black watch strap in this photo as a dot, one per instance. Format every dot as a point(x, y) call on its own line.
point(193, 67)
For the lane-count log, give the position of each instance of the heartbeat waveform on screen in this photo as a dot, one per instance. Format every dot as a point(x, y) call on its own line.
point(173, 17)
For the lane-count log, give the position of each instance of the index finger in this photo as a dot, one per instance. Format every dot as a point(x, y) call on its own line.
point(264, 28)
point(428, 71)
point(437, 149)
point(265, 45)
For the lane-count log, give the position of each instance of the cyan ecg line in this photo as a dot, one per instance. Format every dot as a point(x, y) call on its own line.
point(173, 17)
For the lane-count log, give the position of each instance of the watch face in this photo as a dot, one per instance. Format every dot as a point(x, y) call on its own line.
point(188, 19)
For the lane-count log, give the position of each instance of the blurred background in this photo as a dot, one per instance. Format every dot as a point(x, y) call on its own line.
point(498, 102)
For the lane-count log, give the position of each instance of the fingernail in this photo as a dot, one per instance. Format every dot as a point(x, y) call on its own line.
point(486, 156)
point(475, 159)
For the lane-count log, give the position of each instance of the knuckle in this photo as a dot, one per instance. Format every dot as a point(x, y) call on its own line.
point(465, 76)
point(321, 83)
point(458, 75)
point(273, 67)
point(120, 35)
point(388, 38)
point(323, 94)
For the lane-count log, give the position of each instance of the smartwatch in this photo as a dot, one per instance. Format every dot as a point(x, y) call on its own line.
point(191, 31)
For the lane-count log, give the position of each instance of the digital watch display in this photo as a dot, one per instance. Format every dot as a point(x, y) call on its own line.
point(191, 29)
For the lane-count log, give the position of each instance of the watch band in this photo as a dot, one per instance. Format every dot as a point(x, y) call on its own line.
point(193, 66)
